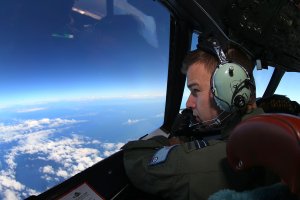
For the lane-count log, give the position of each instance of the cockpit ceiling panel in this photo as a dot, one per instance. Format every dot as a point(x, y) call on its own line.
point(269, 29)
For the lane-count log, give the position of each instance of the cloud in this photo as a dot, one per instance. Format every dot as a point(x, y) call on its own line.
point(160, 115)
point(8, 182)
point(27, 110)
point(111, 148)
point(133, 121)
point(19, 129)
point(62, 173)
point(68, 155)
point(39, 103)
point(10, 189)
point(66, 151)
point(48, 169)
point(10, 195)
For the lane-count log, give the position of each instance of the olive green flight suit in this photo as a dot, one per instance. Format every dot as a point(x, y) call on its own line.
point(187, 172)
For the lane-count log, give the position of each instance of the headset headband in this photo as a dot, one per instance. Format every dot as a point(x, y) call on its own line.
point(219, 52)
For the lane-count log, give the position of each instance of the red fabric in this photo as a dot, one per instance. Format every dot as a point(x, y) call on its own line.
point(269, 140)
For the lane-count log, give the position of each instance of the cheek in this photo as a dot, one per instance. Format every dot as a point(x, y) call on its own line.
point(208, 106)
point(203, 104)
point(213, 102)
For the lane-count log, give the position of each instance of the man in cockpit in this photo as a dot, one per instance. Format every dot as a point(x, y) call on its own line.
point(194, 167)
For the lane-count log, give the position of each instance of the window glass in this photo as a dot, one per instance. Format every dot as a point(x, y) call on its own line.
point(262, 78)
point(289, 86)
point(286, 86)
point(78, 80)
point(186, 92)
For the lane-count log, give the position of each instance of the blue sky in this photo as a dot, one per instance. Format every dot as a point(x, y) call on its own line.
point(35, 84)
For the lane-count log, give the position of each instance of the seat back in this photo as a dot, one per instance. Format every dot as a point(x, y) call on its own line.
point(271, 141)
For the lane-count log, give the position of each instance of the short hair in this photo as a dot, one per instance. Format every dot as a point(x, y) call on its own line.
point(210, 61)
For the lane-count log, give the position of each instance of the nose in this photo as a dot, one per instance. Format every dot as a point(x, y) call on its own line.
point(191, 102)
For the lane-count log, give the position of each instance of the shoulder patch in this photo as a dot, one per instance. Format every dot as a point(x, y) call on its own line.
point(161, 155)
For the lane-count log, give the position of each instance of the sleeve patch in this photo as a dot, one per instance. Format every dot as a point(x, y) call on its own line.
point(161, 155)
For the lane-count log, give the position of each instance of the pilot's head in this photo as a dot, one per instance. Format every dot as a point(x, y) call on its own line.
point(218, 89)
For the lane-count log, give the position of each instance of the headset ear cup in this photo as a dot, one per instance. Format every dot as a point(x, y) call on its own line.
point(231, 87)
point(239, 101)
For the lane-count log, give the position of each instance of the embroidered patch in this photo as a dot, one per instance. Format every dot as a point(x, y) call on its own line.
point(161, 155)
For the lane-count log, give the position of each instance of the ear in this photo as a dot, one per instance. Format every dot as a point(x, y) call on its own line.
point(212, 98)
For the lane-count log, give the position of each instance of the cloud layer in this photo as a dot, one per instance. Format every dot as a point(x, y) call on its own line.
point(133, 121)
point(30, 110)
point(64, 155)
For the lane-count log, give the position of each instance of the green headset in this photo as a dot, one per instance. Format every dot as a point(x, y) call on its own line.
point(230, 83)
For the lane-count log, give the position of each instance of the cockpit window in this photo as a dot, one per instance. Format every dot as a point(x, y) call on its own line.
point(78, 79)
point(286, 86)
point(186, 92)
point(289, 86)
point(262, 78)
